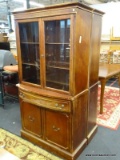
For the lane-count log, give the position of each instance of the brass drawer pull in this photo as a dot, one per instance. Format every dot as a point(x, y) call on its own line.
point(31, 118)
point(55, 128)
point(56, 104)
point(22, 95)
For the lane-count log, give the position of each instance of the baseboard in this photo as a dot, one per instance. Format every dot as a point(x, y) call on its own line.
point(54, 149)
point(91, 134)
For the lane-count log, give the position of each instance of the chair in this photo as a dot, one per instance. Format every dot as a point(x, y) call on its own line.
point(116, 57)
point(106, 56)
point(9, 80)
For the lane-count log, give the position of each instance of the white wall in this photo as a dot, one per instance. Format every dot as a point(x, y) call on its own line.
point(111, 18)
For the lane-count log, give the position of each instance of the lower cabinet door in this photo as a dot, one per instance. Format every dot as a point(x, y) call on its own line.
point(31, 118)
point(57, 129)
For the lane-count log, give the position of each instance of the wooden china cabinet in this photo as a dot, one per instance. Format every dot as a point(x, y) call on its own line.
point(58, 55)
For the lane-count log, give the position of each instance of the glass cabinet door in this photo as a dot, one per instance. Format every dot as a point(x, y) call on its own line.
point(30, 59)
point(57, 53)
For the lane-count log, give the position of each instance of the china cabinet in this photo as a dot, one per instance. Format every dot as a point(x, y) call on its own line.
point(58, 55)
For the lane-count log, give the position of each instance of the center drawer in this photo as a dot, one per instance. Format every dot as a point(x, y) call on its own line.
point(41, 101)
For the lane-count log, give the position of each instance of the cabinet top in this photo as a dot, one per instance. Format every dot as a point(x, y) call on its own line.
point(60, 6)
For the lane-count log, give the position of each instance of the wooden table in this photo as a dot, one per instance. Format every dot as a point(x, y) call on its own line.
point(107, 71)
point(5, 155)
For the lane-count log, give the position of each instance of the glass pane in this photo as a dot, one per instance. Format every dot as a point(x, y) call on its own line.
point(57, 51)
point(57, 31)
point(57, 78)
point(31, 73)
point(30, 52)
point(29, 43)
point(29, 32)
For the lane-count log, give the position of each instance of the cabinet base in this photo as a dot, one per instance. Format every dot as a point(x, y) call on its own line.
point(53, 149)
point(92, 133)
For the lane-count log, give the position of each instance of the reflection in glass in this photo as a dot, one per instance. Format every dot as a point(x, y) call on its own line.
point(57, 51)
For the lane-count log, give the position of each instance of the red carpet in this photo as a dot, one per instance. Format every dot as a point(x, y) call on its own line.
point(111, 115)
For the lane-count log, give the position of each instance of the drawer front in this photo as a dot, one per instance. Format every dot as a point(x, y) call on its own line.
point(50, 103)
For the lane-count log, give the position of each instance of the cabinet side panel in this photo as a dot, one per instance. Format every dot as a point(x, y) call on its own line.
point(95, 48)
point(80, 120)
point(92, 110)
point(82, 49)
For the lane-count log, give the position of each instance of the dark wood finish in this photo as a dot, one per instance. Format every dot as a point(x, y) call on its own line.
point(60, 129)
point(107, 71)
point(62, 98)
point(31, 118)
point(92, 111)
point(93, 74)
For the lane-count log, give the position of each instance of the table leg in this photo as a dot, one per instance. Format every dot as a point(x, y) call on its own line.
point(103, 82)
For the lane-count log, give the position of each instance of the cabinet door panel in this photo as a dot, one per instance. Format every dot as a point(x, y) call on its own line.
point(57, 53)
point(57, 129)
point(29, 46)
point(31, 118)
